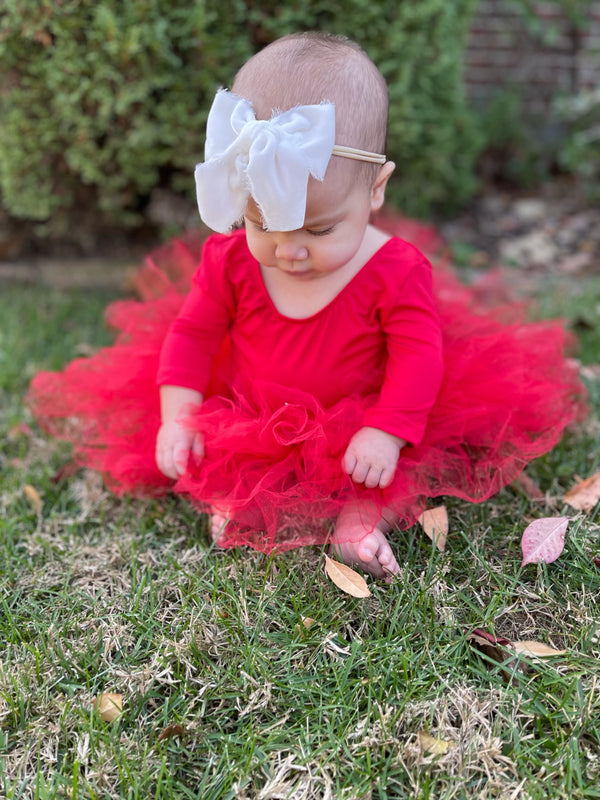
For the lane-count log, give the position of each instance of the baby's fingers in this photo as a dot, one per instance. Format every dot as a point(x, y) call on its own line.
point(349, 462)
point(387, 476)
point(181, 453)
point(164, 462)
point(198, 447)
point(374, 478)
point(360, 473)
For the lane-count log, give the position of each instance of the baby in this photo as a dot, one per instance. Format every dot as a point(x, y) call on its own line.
point(308, 229)
point(300, 377)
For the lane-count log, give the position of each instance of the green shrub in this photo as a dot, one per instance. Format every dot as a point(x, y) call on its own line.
point(524, 146)
point(579, 152)
point(102, 101)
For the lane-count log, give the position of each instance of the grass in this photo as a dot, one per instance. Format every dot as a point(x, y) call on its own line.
point(102, 595)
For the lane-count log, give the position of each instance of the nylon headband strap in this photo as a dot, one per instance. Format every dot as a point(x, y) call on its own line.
point(357, 155)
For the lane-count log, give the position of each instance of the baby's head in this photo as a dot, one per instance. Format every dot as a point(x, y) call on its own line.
point(311, 68)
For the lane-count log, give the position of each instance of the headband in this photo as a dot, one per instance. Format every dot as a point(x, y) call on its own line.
point(268, 160)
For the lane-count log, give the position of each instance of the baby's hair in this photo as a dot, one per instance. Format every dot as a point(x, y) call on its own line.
point(313, 67)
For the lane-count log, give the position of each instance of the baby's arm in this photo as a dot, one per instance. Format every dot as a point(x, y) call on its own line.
point(372, 456)
point(175, 442)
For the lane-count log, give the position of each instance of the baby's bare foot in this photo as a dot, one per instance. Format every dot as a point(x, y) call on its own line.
point(359, 547)
point(218, 522)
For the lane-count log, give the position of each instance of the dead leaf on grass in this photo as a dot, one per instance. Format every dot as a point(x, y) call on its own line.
point(346, 579)
point(533, 649)
point(434, 522)
point(33, 498)
point(590, 371)
point(304, 624)
point(584, 496)
point(504, 651)
point(432, 745)
point(543, 540)
point(66, 471)
point(17, 431)
point(490, 645)
point(171, 732)
point(529, 487)
point(109, 706)
point(500, 650)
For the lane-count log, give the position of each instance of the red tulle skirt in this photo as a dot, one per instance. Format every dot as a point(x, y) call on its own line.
point(274, 468)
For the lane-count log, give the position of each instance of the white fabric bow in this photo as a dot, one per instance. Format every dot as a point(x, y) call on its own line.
point(269, 160)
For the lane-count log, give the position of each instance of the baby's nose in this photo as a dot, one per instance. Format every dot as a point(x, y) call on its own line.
point(288, 250)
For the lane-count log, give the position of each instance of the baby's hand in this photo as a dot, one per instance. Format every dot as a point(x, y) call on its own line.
point(372, 456)
point(174, 444)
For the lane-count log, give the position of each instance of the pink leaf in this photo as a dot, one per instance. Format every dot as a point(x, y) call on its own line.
point(544, 540)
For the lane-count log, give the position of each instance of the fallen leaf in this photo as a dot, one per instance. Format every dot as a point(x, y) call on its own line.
point(498, 649)
point(435, 524)
point(529, 487)
point(346, 579)
point(590, 371)
point(66, 471)
point(543, 540)
point(33, 498)
point(486, 638)
point(597, 561)
point(109, 706)
point(585, 494)
point(492, 646)
point(43, 37)
point(535, 649)
point(429, 744)
point(16, 431)
point(304, 624)
point(172, 731)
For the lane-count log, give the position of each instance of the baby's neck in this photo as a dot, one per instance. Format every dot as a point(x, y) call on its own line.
point(300, 299)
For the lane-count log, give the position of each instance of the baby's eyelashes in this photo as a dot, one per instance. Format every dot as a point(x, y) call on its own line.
point(318, 232)
point(322, 232)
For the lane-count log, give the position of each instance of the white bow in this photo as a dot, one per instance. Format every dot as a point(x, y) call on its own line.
point(269, 160)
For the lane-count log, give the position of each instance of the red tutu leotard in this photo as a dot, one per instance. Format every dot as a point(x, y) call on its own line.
point(283, 397)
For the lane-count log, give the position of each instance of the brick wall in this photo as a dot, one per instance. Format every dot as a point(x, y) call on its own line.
point(502, 52)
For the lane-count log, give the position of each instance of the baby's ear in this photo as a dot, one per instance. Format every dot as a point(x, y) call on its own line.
point(378, 190)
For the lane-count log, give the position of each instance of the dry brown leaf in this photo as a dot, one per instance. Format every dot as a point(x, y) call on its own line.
point(429, 744)
point(500, 650)
point(305, 624)
point(33, 498)
point(585, 494)
point(492, 646)
point(529, 487)
point(435, 524)
point(504, 651)
point(534, 649)
point(66, 471)
point(172, 731)
point(346, 579)
point(109, 706)
point(43, 37)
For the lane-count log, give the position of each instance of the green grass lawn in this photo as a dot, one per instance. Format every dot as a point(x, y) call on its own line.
point(104, 595)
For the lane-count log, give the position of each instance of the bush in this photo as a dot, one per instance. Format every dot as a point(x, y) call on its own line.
point(523, 146)
point(101, 102)
point(579, 153)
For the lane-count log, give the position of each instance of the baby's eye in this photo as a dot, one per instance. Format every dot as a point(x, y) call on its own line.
point(322, 232)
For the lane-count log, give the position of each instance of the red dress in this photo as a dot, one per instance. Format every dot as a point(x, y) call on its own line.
point(283, 397)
